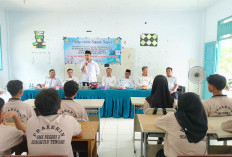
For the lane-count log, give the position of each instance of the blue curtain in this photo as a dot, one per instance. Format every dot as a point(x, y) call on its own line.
point(0, 50)
point(211, 64)
point(224, 30)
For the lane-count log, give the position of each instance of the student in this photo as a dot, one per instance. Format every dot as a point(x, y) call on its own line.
point(9, 136)
point(24, 111)
point(227, 126)
point(126, 82)
point(70, 107)
point(219, 104)
point(160, 96)
point(144, 81)
point(52, 81)
point(70, 76)
point(90, 69)
point(109, 80)
point(186, 129)
point(50, 133)
point(172, 83)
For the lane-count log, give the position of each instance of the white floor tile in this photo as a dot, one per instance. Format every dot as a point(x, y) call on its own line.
point(108, 144)
point(125, 152)
point(107, 153)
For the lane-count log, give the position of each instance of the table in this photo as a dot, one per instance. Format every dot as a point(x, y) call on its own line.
point(89, 104)
point(117, 102)
point(147, 125)
point(89, 133)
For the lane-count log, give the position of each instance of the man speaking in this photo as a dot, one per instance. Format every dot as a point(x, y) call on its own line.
point(89, 69)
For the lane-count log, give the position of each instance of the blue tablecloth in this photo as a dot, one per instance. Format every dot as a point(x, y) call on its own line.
point(117, 102)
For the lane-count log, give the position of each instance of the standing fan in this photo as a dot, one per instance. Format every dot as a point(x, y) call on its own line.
point(197, 75)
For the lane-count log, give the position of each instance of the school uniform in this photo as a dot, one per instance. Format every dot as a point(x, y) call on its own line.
point(126, 82)
point(24, 111)
point(51, 135)
point(9, 138)
point(227, 126)
point(175, 141)
point(219, 105)
point(144, 81)
point(52, 82)
point(71, 79)
point(109, 81)
point(72, 108)
point(172, 81)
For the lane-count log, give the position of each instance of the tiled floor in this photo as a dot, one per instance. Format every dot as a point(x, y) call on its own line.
point(116, 138)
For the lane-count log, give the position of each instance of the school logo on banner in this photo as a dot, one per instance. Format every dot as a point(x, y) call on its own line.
point(148, 39)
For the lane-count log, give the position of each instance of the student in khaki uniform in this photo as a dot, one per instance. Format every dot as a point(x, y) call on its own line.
point(24, 111)
point(219, 104)
point(227, 126)
point(70, 107)
point(50, 133)
point(9, 135)
point(186, 129)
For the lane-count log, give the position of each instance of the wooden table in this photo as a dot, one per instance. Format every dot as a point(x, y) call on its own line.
point(147, 125)
point(88, 139)
point(91, 106)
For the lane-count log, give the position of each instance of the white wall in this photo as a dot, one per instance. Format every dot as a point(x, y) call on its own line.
point(180, 40)
point(213, 14)
point(4, 74)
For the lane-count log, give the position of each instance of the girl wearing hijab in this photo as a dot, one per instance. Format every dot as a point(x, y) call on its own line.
point(160, 96)
point(186, 129)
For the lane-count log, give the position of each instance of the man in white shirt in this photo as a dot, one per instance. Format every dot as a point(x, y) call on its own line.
point(89, 69)
point(144, 81)
point(52, 81)
point(172, 83)
point(70, 76)
point(109, 80)
point(126, 82)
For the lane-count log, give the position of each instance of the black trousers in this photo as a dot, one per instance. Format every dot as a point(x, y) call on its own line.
point(85, 83)
point(175, 95)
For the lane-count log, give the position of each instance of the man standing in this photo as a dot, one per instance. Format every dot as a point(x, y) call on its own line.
point(70, 76)
point(144, 81)
point(109, 80)
point(52, 81)
point(172, 83)
point(126, 82)
point(89, 69)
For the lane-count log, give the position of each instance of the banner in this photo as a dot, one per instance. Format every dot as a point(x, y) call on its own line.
point(104, 50)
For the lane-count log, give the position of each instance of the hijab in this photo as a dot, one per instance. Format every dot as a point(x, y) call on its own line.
point(191, 117)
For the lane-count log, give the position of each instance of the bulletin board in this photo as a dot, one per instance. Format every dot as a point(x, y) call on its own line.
point(127, 62)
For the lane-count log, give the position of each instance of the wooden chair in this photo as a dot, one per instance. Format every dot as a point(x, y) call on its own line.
point(159, 110)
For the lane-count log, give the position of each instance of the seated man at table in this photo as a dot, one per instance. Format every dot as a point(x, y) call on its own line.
point(9, 135)
point(70, 107)
point(70, 76)
point(109, 80)
point(50, 133)
point(51, 81)
point(144, 81)
point(227, 126)
point(172, 83)
point(219, 104)
point(126, 82)
point(24, 111)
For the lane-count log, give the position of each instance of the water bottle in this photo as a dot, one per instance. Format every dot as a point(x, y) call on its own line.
point(5, 88)
point(32, 86)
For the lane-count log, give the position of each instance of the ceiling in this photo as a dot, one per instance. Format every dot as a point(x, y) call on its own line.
point(106, 5)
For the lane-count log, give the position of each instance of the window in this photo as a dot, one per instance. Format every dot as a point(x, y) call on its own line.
point(224, 29)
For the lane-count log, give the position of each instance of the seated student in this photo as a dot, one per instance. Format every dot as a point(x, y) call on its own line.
point(227, 126)
point(126, 82)
point(70, 107)
point(70, 76)
point(186, 129)
point(51, 81)
point(144, 81)
point(24, 111)
point(109, 80)
point(219, 104)
point(172, 83)
point(50, 133)
point(160, 96)
point(9, 135)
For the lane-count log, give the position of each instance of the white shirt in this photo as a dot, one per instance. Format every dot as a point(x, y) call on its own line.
point(126, 82)
point(91, 71)
point(109, 81)
point(71, 79)
point(144, 81)
point(52, 82)
point(172, 81)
